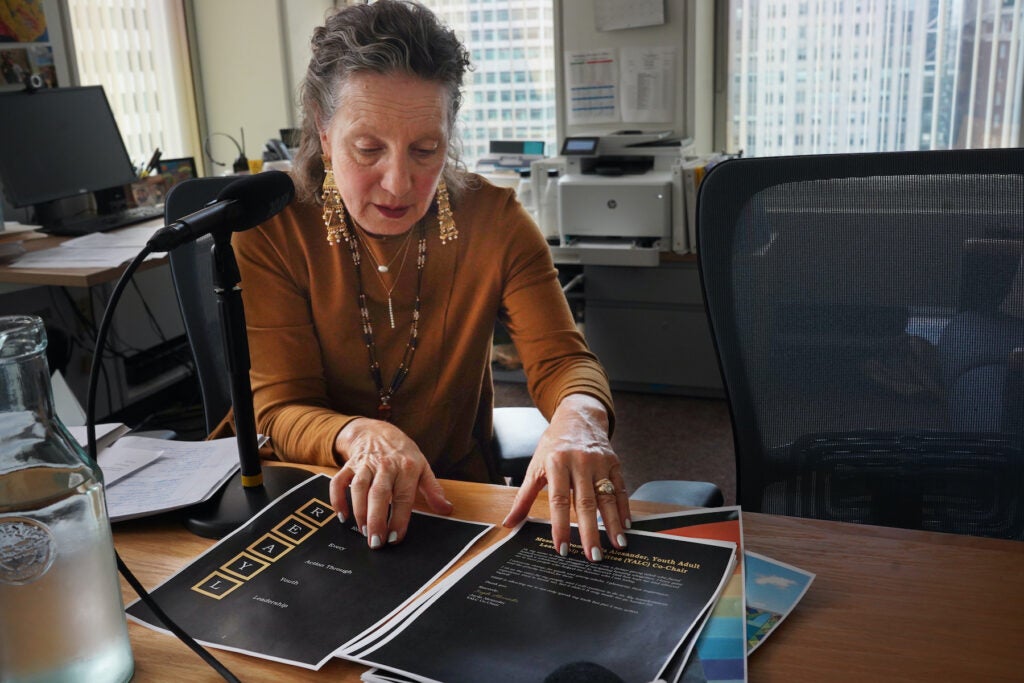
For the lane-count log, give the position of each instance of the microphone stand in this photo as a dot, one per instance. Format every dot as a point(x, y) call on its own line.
point(252, 488)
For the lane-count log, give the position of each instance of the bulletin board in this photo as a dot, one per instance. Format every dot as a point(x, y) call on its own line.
point(33, 42)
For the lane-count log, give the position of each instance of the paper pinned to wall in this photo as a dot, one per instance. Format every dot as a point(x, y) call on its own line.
point(629, 84)
point(647, 83)
point(611, 15)
point(592, 86)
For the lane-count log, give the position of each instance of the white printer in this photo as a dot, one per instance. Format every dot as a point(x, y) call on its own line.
point(620, 198)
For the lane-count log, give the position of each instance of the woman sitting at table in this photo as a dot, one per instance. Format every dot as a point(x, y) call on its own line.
point(371, 300)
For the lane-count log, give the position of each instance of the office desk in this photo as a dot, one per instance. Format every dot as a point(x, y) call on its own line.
point(59, 277)
point(147, 332)
point(887, 604)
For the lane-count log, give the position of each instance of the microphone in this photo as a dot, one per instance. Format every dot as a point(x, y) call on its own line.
point(243, 204)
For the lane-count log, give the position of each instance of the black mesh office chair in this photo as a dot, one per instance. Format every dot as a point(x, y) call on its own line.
point(192, 274)
point(516, 430)
point(868, 313)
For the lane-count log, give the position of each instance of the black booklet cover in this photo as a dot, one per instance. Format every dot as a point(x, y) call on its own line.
point(294, 584)
point(520, 611)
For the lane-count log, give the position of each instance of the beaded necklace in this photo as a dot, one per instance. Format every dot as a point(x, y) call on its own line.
point(402, 371)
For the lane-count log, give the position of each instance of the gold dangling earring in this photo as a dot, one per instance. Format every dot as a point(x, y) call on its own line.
point(334, 210)
point(445, 222)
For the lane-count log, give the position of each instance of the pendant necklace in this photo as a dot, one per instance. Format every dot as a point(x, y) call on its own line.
point(385, 394)
point(380, 269)
point(385, 267)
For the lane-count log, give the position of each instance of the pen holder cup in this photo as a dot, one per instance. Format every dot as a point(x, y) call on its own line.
point(151, 190)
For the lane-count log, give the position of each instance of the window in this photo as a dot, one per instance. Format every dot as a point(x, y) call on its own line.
point(524, 66)
point(938, 75)
point(137, 50)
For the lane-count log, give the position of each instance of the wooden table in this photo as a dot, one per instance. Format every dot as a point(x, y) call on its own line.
point(887, 604)
point(59, 277)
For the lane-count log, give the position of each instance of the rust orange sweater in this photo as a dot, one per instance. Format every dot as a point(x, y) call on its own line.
point(310, 365)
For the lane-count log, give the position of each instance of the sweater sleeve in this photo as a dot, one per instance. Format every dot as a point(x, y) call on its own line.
point(289, 388)
point(534, 310)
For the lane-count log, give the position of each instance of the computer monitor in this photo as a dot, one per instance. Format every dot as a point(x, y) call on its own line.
point(58, 143)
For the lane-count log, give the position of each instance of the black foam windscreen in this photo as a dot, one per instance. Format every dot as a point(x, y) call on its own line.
point(258, 197)
point(243, 204)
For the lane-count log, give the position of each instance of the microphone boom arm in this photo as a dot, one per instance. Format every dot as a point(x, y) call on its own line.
point(236, 349)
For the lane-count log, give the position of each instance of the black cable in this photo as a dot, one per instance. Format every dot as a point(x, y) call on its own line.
point(183, 358)
point(178, 418)
point(83, 324)
point(85, 335)
point(179, 355)
point(89, 326)
point(209, 154)
point(123, 347)
point(148, 600)
point(86, 324)
point(90, 428)
point(153, 322)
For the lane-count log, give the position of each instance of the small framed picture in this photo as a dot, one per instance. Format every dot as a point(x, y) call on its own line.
point(149, 191)
point(177, 170)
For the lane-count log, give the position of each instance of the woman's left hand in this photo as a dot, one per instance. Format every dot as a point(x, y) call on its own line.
point(573, 457)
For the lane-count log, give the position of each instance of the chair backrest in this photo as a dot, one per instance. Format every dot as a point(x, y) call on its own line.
point(192, 274)
point(865, 381)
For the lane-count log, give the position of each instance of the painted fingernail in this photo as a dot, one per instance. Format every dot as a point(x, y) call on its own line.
point(375, 542)
point(392, 537)
point(341, 517)
point(563, 549)
point(595, 554)
point(628, 523)
point(362, 529)
point(621, 538)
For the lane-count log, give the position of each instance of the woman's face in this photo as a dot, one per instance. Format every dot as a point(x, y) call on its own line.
point(387, 144)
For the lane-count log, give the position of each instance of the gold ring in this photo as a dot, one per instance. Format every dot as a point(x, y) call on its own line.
point(604, 486)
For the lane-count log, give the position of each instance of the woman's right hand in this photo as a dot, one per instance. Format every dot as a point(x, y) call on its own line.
point(384, 468)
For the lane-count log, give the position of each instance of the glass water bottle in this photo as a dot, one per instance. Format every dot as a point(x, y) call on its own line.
point(61, 614)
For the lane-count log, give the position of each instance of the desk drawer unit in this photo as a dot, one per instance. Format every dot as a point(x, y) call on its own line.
point(649, 329)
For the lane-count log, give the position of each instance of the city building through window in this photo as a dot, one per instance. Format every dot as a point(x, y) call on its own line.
point(835, 76)
point(510, 93)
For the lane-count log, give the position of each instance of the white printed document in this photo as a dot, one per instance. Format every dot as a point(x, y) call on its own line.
point(648, 80)
point(184, 473)
point(97, 250)
point(592, 86)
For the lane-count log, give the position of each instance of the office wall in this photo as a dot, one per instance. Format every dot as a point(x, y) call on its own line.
point(689, 27)
point(251, 55)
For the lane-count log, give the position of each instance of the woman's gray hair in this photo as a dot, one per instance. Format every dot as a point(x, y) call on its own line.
point(386, 37)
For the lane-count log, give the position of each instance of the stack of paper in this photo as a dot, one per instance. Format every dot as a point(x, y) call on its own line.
point(147, 476)
point(674, 605)
point(517, 612)
point(520, 612)
point(97, 250)
point(760, 595)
